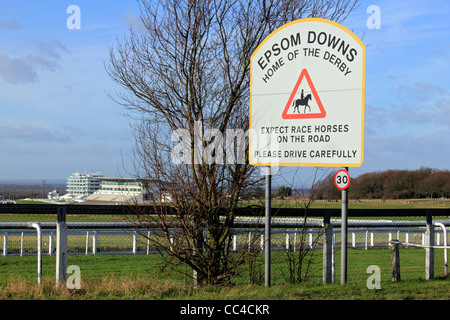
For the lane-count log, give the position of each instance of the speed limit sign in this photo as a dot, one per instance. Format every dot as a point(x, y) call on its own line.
point(342, 179)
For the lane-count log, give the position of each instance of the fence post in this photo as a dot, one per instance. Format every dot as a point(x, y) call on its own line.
point(50, 244)
point(5, 244)
point(288, 242)
point(39, 250)
point(135, 243)
point(327, 248)
point(87, 243)
point(366, 241)
point(94, 243)
point(295, 238)
point(21, 244)
point(148, 242)
point(429, 250)
point(395, 256)
point(262, 244)
point(61, 246)
point(444, 230)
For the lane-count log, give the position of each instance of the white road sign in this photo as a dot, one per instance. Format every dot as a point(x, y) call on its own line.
point(307, 88)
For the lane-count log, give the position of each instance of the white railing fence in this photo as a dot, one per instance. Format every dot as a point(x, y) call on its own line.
point(18, 239)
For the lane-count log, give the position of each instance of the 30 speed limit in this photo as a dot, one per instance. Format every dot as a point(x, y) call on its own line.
point(342, 179)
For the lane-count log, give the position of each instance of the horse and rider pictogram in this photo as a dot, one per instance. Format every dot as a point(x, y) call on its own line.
point(292, 109)
point(303, 101)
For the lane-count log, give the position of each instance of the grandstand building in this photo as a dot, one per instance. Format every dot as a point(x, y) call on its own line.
point(119, 190)
point(81, 185)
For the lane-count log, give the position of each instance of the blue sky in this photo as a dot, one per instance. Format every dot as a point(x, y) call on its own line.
point(57, 118)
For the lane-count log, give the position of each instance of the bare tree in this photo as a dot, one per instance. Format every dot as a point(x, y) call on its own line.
point(185, 77)
point(299, 256)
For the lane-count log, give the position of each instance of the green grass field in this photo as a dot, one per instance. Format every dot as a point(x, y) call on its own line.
point(364, 204)
point(361, 204)
point(143, 276)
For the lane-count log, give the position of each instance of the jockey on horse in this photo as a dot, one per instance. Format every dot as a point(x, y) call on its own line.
point(303, 101)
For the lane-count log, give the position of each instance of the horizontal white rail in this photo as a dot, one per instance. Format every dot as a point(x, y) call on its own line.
point(91, 236)
point(408, 244)
point(240, 223)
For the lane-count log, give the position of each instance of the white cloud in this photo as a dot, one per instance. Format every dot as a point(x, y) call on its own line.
point(407, 152)
point(17, 70)
point(32, 134)
point(9, 24)
point(417, 109)
point(133, 20)
point(423, 103)
point(24, 69)
point(421, 91)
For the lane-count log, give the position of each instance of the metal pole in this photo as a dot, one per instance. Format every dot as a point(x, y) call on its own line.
point(135, 248)
point(61, 247)
point(440, 224)
point(39, 251)
point(327, 248)
point(94, 243)
point(344, 218)
point(429, 250)
point(267, 227)
point(5, 244)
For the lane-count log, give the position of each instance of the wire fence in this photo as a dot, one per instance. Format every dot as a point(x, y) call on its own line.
point(22, 242)
point(108, 244)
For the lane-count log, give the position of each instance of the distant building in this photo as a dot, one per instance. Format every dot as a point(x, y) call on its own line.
point(3, 200)
point(53, 195)
point(119, 190)
point(128, 190)
point(81, 185)
point(95, 187)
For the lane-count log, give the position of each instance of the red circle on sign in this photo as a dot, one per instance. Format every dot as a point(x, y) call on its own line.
point(342, 179)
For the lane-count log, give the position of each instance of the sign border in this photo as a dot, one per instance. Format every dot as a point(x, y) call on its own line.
point(348, 184)
point(363, 89)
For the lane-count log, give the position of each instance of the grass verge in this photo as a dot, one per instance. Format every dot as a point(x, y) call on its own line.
point(149, 288)
point(142, 277)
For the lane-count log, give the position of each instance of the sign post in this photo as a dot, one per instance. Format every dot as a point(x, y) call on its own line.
point(307, 86)
point(342, 181)
point(267, 230)
point(344, 219)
